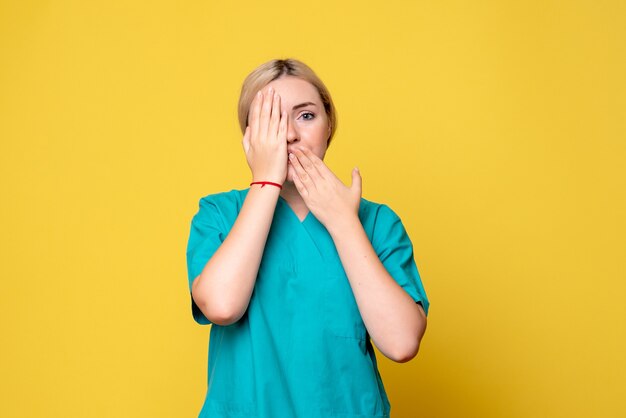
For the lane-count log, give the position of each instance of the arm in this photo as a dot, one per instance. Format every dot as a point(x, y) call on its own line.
point(394, 321)
point(223, 290)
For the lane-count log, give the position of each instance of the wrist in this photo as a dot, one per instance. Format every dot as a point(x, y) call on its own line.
point(343, 225)
point(270, 178)
point(263, 183)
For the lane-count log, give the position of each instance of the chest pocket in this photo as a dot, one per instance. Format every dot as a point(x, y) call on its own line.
point(342, 315)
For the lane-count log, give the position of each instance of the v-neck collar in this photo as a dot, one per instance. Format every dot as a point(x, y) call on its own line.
point(288, 208)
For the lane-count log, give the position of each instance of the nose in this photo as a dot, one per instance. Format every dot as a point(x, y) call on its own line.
point(292, 132)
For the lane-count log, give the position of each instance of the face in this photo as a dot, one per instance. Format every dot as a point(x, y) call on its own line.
point(307, 120)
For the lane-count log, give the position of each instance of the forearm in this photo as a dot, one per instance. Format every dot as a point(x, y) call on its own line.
point(394, 321)
point(223, 290)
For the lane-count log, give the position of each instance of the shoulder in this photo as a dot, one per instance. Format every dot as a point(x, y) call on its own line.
point(233, 197)
point(378, 219)
point(222, 205)
point(375, 212)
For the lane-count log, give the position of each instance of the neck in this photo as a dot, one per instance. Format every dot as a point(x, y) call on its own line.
point(290, 194)
point(294, 200)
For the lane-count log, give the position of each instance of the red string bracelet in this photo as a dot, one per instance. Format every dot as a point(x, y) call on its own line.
point(266, 182)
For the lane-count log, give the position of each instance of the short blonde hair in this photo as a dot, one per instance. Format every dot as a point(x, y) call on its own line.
point(274, 69)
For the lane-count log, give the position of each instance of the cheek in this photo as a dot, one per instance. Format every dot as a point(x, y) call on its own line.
point(317, 136)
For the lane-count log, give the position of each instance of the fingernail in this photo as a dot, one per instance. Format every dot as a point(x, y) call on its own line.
point(291, 156)
point(259, 93)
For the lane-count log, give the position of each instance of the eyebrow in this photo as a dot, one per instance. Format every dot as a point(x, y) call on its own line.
point(305, 104)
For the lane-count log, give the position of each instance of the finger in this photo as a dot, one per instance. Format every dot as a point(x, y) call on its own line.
point(300, 186)
point(266, 113)
point(282, 128)
point(255, 114)
point(304, 177)
point(275, 117)
point(319, 164)
point(308, 165)
point(357, 182)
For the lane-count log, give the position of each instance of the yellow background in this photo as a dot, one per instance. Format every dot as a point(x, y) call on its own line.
point(496, 130)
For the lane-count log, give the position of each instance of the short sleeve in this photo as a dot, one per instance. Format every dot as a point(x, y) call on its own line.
point(206, 235)
point(395, 250)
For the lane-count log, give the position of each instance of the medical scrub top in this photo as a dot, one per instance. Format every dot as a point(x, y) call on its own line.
point(301, 350)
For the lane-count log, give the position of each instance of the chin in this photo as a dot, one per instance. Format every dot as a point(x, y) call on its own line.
point(289, 177)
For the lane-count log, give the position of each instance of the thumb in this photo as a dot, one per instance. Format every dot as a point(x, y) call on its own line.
point(246, 140)
point(357, 182)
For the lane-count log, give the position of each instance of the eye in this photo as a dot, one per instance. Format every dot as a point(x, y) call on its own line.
point(307, 116)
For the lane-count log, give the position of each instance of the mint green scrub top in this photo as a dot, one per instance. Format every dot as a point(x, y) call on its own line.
point(301, 350)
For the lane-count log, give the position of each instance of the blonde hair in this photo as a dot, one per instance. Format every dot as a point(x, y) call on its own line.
point(274, 69)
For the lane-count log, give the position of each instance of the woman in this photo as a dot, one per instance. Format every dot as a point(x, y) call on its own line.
point(297, 272)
